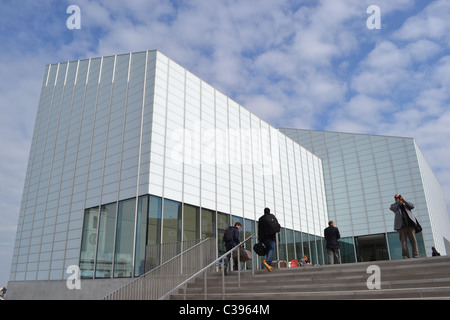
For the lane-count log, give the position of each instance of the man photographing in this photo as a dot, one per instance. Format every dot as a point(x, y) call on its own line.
point(405, 223)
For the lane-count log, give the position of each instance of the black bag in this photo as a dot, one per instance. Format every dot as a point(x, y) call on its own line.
point(259, 249)
point(273, 225)
point(417, 227)
point(228, 234)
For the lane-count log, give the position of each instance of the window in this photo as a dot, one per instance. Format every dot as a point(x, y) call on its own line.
point(152, 249)
point(347, 250)
point(154, 220)
point(105, 241)
point(191, 223)
point(235, 219)
point(208, 224)
point(171, 221)
point(141, 236)
point(290, 244)
point(250, 230)
point(89, 242)
point(223, 222)
point(123, 258)
point(305, 244)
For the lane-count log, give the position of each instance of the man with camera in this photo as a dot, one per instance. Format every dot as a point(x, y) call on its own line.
point(405, 223)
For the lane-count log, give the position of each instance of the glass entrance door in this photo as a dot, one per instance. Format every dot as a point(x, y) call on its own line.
point(371, 248)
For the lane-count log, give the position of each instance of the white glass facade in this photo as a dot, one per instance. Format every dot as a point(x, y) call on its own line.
point(133, 150)
point(362, 174)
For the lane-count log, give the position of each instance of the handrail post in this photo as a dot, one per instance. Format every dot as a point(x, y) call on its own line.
point(253, 262)
point(223, 278)
point(205, 285)
point(239, 266)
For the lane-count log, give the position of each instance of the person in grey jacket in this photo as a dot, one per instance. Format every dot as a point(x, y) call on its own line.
point(405, 223)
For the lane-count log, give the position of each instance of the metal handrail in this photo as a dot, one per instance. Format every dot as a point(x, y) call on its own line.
point(143, 286)
point(212, 264)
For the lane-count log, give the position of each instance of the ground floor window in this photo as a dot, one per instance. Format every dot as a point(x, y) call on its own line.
point(131, 237)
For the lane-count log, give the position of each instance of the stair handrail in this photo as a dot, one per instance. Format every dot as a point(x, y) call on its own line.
point(127, 291)
point(212, 264)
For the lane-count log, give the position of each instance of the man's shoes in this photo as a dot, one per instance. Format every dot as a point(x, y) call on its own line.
point(269, 268)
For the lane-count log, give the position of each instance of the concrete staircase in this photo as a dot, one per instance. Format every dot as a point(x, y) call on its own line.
point(421, 278)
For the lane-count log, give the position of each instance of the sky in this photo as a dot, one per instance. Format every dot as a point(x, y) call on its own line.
point(298, 64)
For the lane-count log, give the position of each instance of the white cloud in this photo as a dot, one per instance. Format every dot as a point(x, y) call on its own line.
point(266, 108)
point(366, 110)
point(422, 50)
point(431, 23)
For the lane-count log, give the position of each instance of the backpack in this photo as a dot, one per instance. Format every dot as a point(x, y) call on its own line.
point(228, 234)
point(272, 224)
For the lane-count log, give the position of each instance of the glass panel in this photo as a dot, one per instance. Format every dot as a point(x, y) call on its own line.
point(290, 244)
point(141, 236)
point(347, 250)
point(325, 253)
point(152, 252)
point(320, 246)
point(106, 241)
point(235, 219)
point(208, 224)
point(312, 240)
point(88, 243)
point(171, 221)
point(282, 245)
point(154, 220)
point(250, 230)
point(420, 245)
point(191, 223)
point(123, 258)
point(298, 244)
point(305, 244)
point(223, 222)
point(395, 247)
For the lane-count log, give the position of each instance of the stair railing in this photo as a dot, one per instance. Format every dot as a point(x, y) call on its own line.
point(160, 280)
point(210, 267)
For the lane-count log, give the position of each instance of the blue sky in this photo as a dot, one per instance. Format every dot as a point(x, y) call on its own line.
point(301, 64)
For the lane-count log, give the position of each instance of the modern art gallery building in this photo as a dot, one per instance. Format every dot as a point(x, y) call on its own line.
point(131, 151)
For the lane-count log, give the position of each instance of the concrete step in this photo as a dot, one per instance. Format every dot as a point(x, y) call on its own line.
point(314, 287)
point(400, 279)
point(415, 293)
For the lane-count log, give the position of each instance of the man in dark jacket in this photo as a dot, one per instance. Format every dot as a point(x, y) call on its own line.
point(405, 224)
point(231, 244)
point(267, 232)
point(332, 237)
